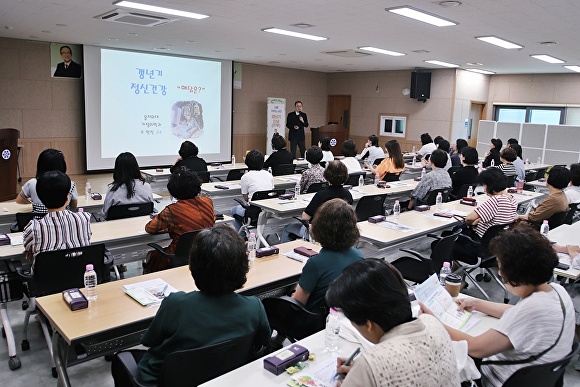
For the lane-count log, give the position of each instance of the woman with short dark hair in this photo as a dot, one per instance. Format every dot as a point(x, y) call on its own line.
point(456, 148)
point(314, 174)
point(556, 201)
point(324, 144)
point(371, 151)
point(348, 150)
point(280, 155)
point(373, 296)
point(539, 328)
point(191, 212)
point(188, 158)
point(467, 173)
point(335, 228)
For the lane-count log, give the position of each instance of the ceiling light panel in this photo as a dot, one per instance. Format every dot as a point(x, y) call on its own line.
point(294, 34)
point(422, 16)
point(480, 71)
point(499, 42)
point(547, 58)
point(573, 68)
point(439, 63)
point(381, 51)
point(163, 10)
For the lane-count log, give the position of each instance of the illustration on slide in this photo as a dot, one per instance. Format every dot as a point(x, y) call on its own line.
point(187, 119)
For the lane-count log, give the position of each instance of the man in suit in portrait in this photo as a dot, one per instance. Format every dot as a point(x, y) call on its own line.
point(296, 122)
point(68, 68)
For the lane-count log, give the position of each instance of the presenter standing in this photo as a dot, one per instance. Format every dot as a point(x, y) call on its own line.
point(296, 122)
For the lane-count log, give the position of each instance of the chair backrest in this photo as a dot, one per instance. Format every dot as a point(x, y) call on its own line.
point(291, 320)
point(196, 366)
point(58, 270)
point(123, 211)
point(558, 219)
point(432, 196)
point(462, 191)
point(252, 212)
point(393, 176)
point(353, 178)
point(203, 176)
point(322, 164)
point(283, 169)
point(491, 233)
point(236, 174)
point(545, 375)
point(572, 209)
point(511, 180)
point(378, 160)
point(452, 170)
point(442, 251)
point(181, 254)
point(531, 175)
point(371, 205)
point(315, 187)
point(23, 218)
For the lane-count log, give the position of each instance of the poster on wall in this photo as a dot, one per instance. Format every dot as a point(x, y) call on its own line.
point(276, 116)
point(66, 60)
point(392, 125)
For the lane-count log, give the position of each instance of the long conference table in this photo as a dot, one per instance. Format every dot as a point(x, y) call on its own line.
point(115, 321)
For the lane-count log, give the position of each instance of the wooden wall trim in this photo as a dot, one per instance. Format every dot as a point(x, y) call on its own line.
point(72, 147)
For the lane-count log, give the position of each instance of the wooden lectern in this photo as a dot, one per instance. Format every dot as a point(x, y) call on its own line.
point(8, 163)
point(336, 131)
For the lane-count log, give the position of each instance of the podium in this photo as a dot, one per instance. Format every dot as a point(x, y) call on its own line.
point(8, 163)
point(334, 131)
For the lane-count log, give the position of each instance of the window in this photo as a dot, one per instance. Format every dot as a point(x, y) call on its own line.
point(530, 114)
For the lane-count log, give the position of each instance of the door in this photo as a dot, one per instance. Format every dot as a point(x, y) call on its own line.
point(339, 110)
point(475, 114)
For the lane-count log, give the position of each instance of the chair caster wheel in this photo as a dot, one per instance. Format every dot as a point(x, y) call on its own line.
point(486, 277)
point(54, 373)
point(479, 277)
point(25, 345)
point(14, 363)
point(24, 305)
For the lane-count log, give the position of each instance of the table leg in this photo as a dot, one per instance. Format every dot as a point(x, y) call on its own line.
point(261, 224)
point(59, 350)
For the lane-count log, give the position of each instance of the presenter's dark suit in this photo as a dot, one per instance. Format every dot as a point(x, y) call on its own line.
point(74, 70)
point(296, 136)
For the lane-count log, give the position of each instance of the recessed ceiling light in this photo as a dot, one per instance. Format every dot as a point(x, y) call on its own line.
point(547, 58)
point(294, 34)
point(573, 68)
point(450, 3)
point(61, 25)
point(422, 16)
point(421, 51)
point(9, 28)
point(132, 34)
point(480, 71)
point(46, 32)
point(190, 41)
point(113, 39)
point(302, 25)
point(498, 42)
point(163, 10)
point(381, 51)
point(547, 43)
point(439, 63)
point(474, 64)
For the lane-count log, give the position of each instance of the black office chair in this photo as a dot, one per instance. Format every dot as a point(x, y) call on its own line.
point(511, 180)
point(572, 210)
point(542, 375)
point(250, 218)
point(181, 255)
point(417, 268)
point(452, 170)
point(354, 177)
point(378, 160)
point(233, 174)
point(23, 218)
point(58, 270)
point(531, 175)
point(432, 196)
point(123, 211)
point(290, 319)
point(190, 367)
point(11, 289)
point(322, 164)
point(203, 176)
point(462, 191)
point(315, 187)
point(283, 169)
point(554, 221)
point(394, 176)
point(371, 205)
point(485, 260)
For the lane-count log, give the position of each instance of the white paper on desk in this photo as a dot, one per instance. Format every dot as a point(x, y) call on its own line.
point(296, 256)
point(16, 240)
point(232, 186)
point(150, 292)
point(436, 298)
point(317, 374)
point(397, 184)
point(294, 179)
point(396, 226)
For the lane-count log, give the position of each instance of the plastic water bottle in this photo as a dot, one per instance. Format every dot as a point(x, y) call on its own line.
point(332, 331)
point(423, 172)
point(492, 163)
point(470, 192)
point(87, 191)
point(233, 160)
point(545, 228)
point(251, 248)
point(90, 283)
point(539, 160)
point(527, 161)
point(414, 160)
point(445, 270)
point(377, 179)
point(361, 181)
point(439, 202)
point(297, 190)
point(270, 170)
point(397, 210)
point(414, 149)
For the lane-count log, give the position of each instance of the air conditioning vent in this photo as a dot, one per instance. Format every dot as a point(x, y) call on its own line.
point(134, 18)
point(348, 53)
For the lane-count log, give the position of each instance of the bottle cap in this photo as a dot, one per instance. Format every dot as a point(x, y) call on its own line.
point(446, 264)
point(545, 221)
point(253, 234)
point(396, 202)
point(80, 209)
point(89, 266)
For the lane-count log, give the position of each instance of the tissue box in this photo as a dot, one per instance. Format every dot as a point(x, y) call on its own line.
point(287, 358)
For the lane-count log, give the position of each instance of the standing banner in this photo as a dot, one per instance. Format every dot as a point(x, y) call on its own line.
point(276, 120)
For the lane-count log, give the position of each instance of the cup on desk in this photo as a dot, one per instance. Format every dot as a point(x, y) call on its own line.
point(453, 284)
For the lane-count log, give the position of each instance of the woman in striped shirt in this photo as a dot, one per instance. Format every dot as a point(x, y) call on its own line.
point(507, 157)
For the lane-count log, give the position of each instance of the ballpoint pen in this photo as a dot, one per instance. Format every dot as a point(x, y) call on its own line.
point(349, 360)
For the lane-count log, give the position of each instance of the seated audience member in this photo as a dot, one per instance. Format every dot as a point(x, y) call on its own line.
point(493, 153)
point(539, 328)
point(281, 155)
point(371, 151)
point(445, 147)
point(60, 228)
point(556, 201)
point(128, 186)
point(507, 157)
point(573, 190)
point(373, 296)
point(191, 212)
point(394, 163)
point(48, 160)
point(499, 208)
point(456, 152)
point(334, 227)
point(256, 179)
point(519, 163)
point(336, 174)
point(512, 141)
point(215, 313)
point(314, 174)
point(468, 173)
point(324, 144)
point(436, 179)
point(188, 158)
point(428, 145)
point(348, 150)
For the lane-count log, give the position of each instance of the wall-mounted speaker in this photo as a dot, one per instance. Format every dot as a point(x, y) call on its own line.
point(420, 86)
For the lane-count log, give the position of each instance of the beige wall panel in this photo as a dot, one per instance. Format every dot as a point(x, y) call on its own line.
point(268, 83)
point(68, 94)
point(74, 153)
point(35, 63)
point(10, 64)
point(29, 154)
point(10, 118)
point(52, 123)
point(567, 92)
point(535, 92)
point(24, 94)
